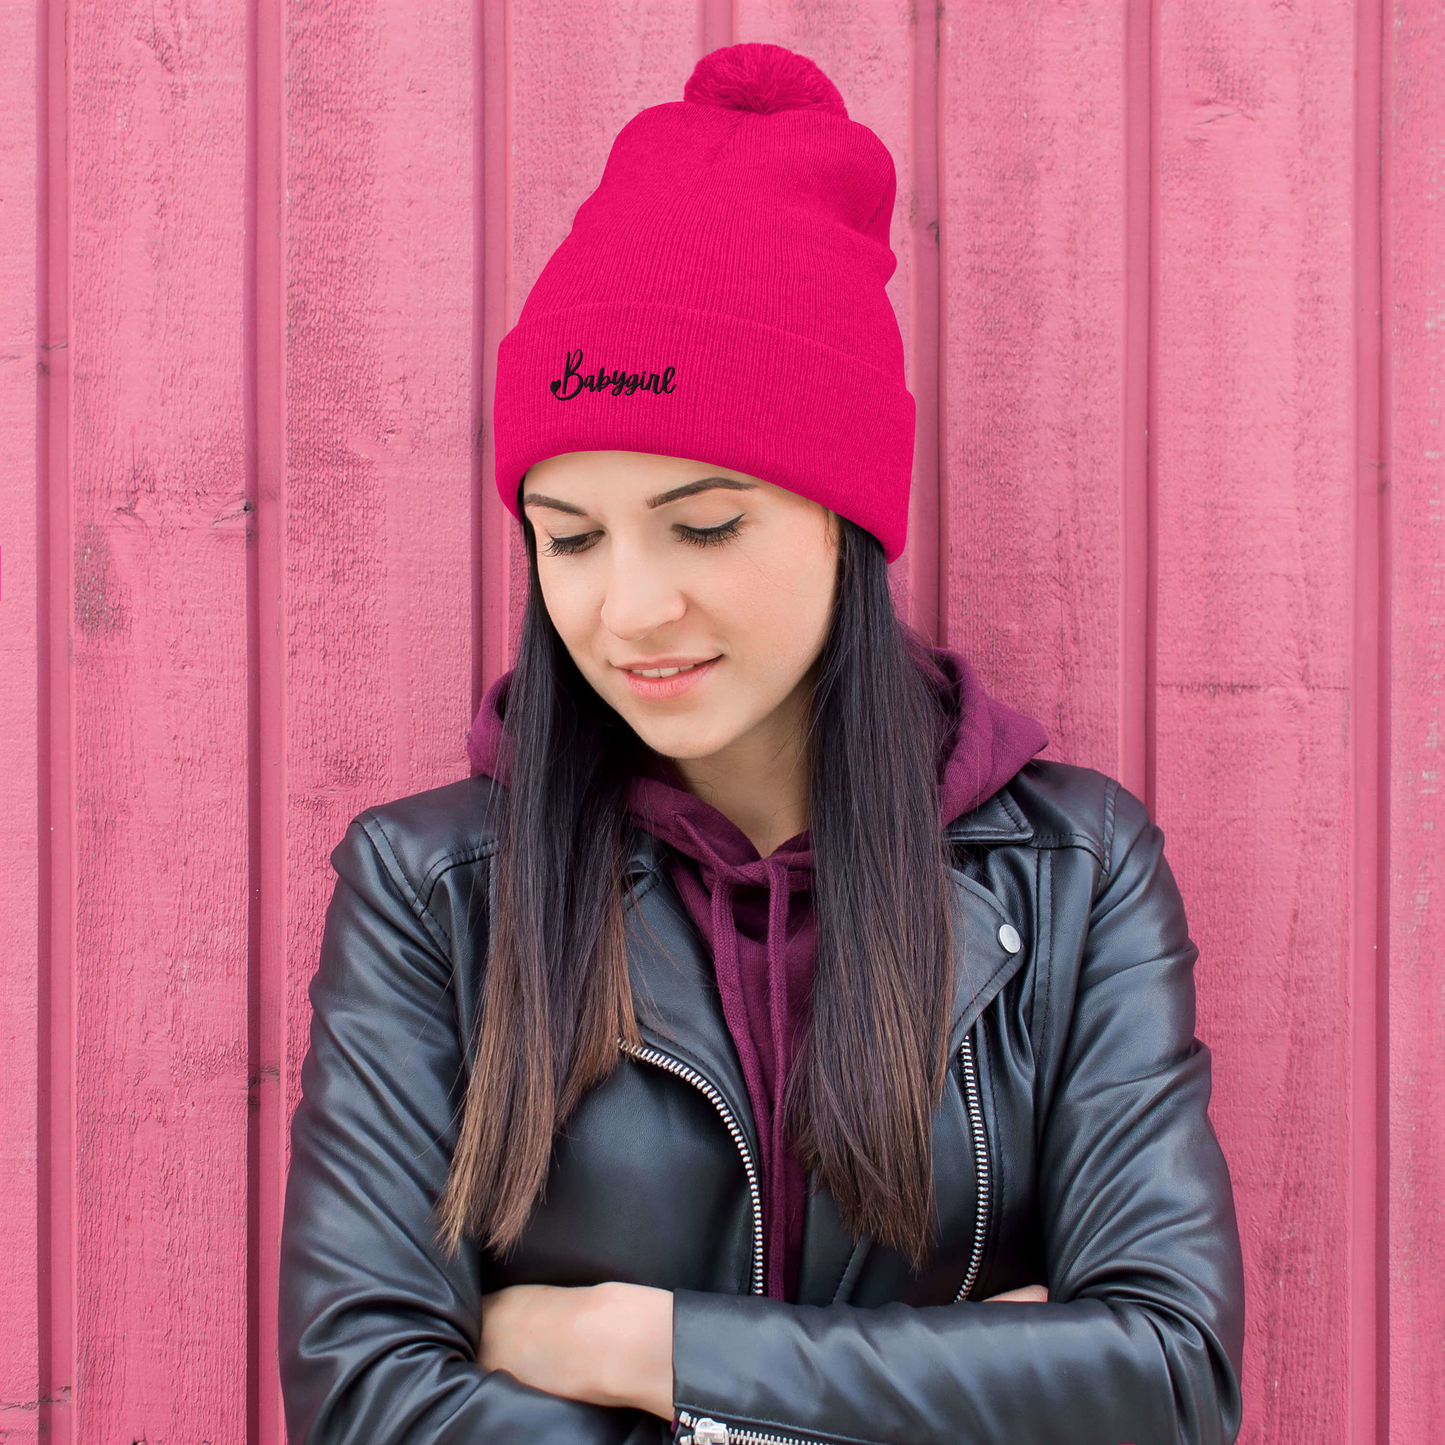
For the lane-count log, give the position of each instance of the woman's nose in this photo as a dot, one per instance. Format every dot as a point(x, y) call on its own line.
point(640, 598)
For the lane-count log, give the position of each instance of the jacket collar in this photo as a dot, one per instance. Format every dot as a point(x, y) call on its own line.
point(648, 853)
point(678, 1008)
point(996, 820)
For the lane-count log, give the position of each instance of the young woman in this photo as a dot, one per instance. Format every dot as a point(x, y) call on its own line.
point(764, 1044)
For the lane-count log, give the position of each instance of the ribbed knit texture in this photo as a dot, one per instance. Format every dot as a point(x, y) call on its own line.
point(721, 297)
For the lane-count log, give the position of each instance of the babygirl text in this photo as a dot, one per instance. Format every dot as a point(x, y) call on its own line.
point(574, 381)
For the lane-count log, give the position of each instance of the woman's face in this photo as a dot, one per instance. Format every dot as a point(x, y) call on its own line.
point(651, 564)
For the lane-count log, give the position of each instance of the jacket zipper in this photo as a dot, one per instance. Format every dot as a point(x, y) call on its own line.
point(980, 1164)
point(706, 1431)
point(703, 1430)
point(665, 1061)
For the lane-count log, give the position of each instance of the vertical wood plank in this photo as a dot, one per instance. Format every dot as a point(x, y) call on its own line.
point(493, 540)
point(1415, 379)
point(264, 332)
point(1366, 1419)
point(20, 699)
point(887, 76)
point(157, 128)
point(375, 515)
point(1255, 488)
point(55, 955)
point(1138, 583)
point(1033, 206)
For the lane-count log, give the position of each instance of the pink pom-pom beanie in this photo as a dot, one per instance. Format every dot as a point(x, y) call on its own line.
point(721, 297)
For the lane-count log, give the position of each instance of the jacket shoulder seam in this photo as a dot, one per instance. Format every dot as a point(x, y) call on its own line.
point(1043, 887)
point(1111, 793)
point(459, 858)
point(371, 824)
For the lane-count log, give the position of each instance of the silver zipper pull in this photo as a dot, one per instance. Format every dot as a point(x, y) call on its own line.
point(709, 1432)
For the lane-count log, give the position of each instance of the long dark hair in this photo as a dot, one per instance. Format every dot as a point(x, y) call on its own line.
point(556, 1000)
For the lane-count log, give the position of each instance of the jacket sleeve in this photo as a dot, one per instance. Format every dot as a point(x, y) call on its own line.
point(1142, 1335)
point(378, 1328)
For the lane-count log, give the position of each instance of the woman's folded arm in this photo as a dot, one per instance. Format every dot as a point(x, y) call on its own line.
point(378, 1327)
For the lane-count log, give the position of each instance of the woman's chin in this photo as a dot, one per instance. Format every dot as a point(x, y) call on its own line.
point(685, 741)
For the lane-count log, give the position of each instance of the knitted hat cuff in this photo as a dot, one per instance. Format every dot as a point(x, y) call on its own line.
point(728, 392)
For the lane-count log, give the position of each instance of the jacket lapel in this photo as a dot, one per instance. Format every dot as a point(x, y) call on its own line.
point(981, 963)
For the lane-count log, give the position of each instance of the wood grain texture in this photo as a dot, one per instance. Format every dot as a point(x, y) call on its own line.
point(1255, 485)
point(20, 700)
point(1415, 378)
point(157, 130)
point(1033, 205)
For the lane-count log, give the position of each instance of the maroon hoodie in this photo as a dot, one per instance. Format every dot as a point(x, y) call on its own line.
point(756, 914)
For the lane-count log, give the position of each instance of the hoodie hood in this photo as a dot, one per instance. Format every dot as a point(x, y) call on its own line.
point(757, 913)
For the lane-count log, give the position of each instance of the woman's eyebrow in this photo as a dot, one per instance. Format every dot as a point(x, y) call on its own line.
point(536, 499)
point(688, 489)
point(706, 484)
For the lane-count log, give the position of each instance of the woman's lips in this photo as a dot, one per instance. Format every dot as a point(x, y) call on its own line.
point(663, 689)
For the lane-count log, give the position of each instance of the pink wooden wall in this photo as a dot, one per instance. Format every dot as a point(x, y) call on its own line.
point(1171, 276)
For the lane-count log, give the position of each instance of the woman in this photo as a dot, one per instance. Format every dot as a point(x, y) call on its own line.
point(762, 1005)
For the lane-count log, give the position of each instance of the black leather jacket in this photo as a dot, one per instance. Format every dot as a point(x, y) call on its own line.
point(1072, 1148)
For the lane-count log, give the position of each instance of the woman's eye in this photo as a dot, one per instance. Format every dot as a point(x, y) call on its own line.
point(567, 546)
point(711, 536)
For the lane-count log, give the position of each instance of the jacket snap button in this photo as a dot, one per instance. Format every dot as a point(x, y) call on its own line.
point(1008, 935)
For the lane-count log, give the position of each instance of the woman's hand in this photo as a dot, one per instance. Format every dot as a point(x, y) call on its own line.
point(1028, 1294)
point(609, 1344)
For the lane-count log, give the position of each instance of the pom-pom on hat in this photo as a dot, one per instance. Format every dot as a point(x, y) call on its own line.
point(721, 296)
